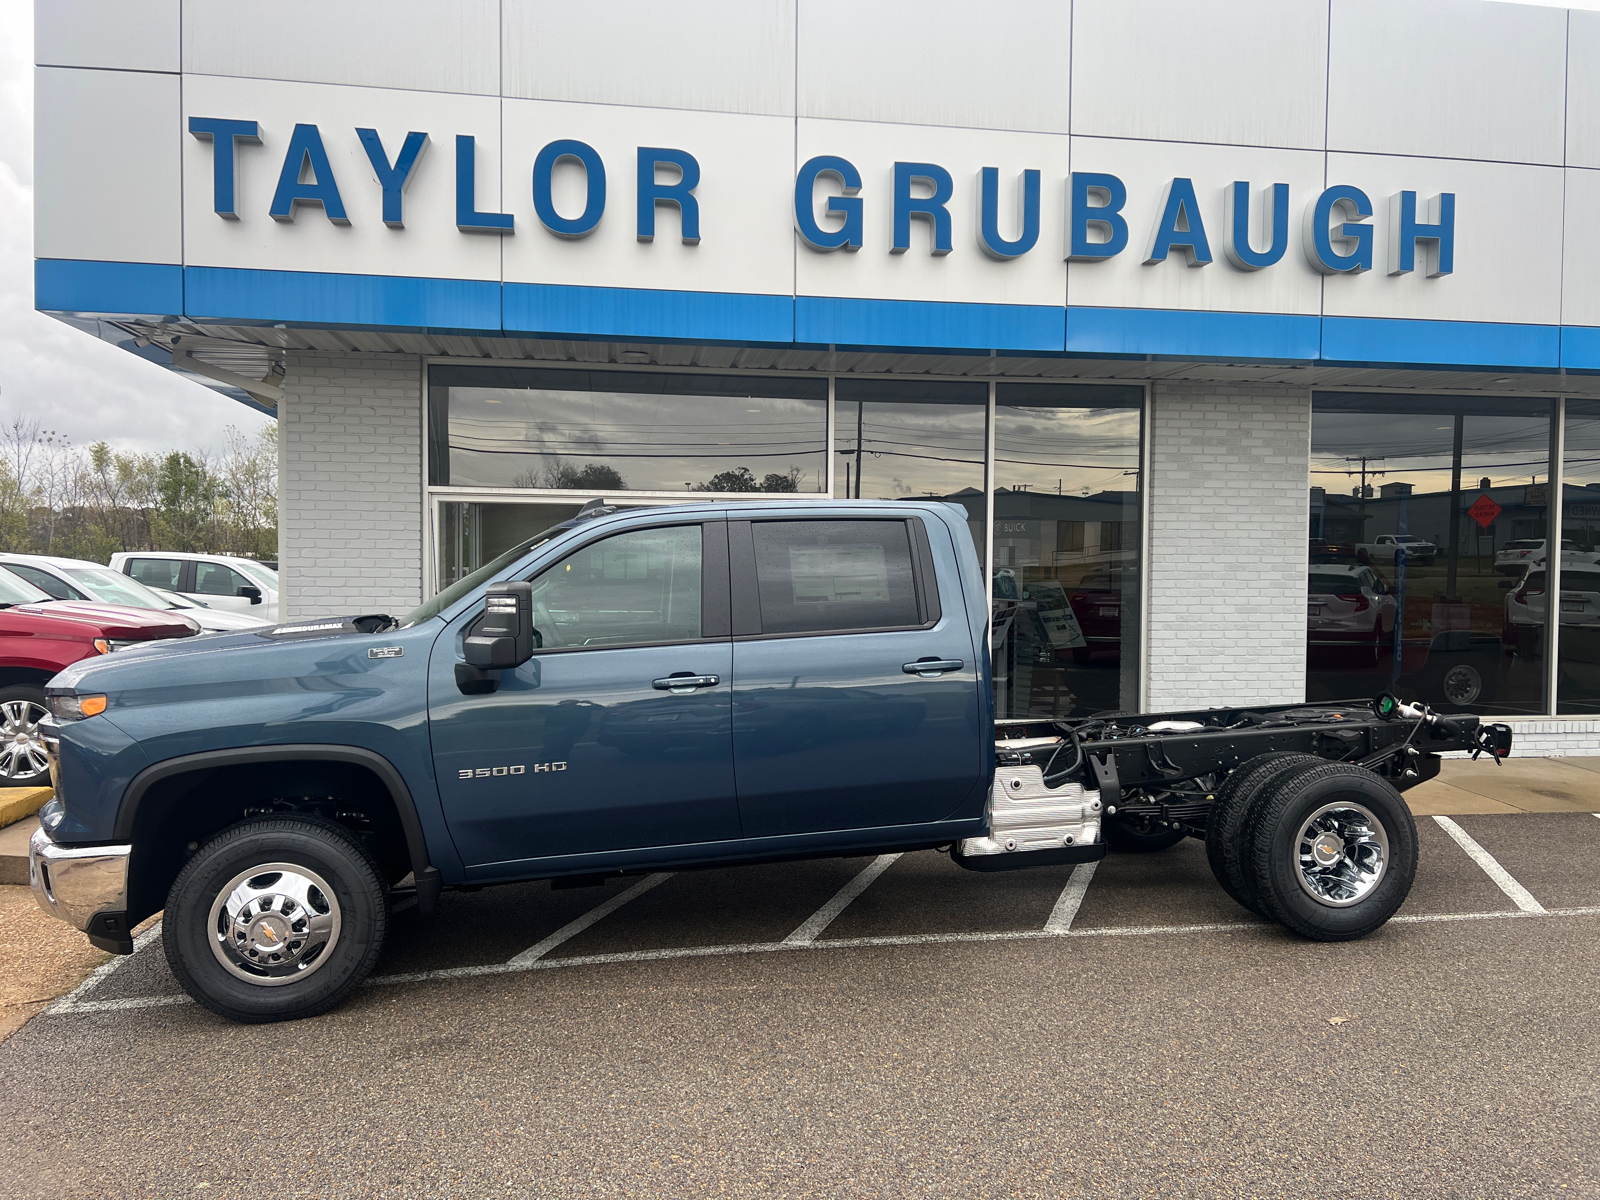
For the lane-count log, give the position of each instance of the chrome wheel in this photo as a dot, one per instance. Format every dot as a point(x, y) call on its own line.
point(274, 924)
point(1462, 684)
point(22, 751)
point(1341, 854)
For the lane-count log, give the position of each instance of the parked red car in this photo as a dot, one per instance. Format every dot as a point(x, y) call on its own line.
point(40, 636)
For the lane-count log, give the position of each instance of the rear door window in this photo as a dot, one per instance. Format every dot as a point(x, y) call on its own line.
point(157, 572)
point(836, 576)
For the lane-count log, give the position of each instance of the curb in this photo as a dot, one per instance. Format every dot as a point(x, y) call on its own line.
point(16, 803)
point(17, 806)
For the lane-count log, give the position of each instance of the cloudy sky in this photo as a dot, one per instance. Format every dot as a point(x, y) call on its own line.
point(71, 382)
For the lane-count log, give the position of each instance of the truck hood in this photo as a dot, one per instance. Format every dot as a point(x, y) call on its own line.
point(115, 621)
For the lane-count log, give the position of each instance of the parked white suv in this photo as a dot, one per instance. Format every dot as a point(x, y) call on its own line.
point(79, 579)
point(216, 580)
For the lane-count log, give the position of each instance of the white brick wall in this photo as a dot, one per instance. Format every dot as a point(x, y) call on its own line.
point(351, 512)
point(1229, 510)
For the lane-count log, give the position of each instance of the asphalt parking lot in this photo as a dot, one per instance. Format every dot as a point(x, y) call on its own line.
point(873, 1027)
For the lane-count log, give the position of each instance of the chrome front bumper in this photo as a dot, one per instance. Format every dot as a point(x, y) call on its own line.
point(74, 884)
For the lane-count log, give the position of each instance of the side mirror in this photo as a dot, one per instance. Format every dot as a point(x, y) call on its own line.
point(253, 594)
point(504, 638)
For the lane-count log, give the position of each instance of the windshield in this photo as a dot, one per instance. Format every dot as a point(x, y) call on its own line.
point(115, 589)
point(13, 590)
point(484, 574)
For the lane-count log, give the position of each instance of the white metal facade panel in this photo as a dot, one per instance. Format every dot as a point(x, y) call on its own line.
point(1583, 89)
point(1172, 70)
point(744, 198)
point(1000, 65)
point(107, 178)
point(1580, 276)
point(1445, 78)
point(1127, 281)
point(428, 246)
point(1495, 279)
point(114, 34)
point(711, 55)
point(966, 273)
point(423, 45)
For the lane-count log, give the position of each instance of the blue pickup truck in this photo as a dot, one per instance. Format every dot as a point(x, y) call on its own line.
point(663, 687)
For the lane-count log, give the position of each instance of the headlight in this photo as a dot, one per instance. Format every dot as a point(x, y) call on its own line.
point(109, 645)
point(75, 708)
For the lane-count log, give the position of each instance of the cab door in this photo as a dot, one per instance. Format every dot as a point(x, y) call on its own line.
point(617, 734)
point(856, 699)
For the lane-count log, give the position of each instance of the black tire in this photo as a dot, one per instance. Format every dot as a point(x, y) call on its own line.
point(1274, 845)
point(21, 751)
point(330, 855)
point(1130, 836)
point(1225, 825)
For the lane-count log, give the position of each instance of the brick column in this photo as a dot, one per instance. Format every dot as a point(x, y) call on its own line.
point(1229, 519)
point(350, 532)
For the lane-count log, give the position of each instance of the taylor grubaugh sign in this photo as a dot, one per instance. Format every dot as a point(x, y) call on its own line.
point(830, 202)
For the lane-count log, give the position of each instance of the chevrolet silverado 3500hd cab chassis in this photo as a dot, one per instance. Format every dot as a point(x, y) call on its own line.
point(661, 689)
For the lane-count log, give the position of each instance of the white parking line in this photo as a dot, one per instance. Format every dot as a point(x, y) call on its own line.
point(1520, 896)
point(915, 939)
point(1066, 909)
point(573, 928)
point(72, 1000)
point(823, 917)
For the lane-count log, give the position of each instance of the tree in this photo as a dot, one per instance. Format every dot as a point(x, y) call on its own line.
point(742, 479)
point(591, 477)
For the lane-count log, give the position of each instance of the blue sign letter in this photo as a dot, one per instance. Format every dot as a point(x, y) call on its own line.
point(1236, 220)
point(468, 218)
point(1107, 215)
point(652, 193)
point(305, 150)
point(224, 161)
point(594, 206)
point(1179, 227)
point(848, 206)
point(1319, 238)
point(930, 207)
point(989, 238)
point(393, 179)
point(1439, 238)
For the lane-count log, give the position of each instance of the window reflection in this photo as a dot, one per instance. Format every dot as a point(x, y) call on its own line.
point(911, 440)
point(1066, 549)
point(1424, 576)
point(1578, 655)
point(611, 431)
point(471, 534)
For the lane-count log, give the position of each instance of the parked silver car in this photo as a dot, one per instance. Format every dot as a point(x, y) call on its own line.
point(78, 579)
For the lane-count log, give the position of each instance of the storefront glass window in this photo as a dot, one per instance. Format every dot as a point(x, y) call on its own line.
point(1065, 634)
point(615, 431)
point(1578, 652)
point(911, 440)
point(1425, 573)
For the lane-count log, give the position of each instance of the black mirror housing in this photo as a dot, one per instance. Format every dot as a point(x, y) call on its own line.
point(252, 594)
point(504, 638)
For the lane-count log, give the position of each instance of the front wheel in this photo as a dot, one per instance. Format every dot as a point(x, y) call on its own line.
point(1332, 849)
point(275, 919)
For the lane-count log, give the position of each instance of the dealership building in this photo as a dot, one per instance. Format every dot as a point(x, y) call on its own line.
point(1259, 340)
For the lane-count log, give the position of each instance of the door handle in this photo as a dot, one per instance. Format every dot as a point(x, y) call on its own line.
point(932, 668)
point(683, 683)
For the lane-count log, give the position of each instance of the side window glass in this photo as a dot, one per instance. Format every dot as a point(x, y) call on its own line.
point(44, 581)
point(834, 576)
point(214, 579)
point(157, 572)
point(641, 586)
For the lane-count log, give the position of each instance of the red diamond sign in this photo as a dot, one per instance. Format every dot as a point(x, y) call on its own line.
point(1484, 510)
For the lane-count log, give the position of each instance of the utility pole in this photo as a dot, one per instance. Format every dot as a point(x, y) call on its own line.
point(1364, 459)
